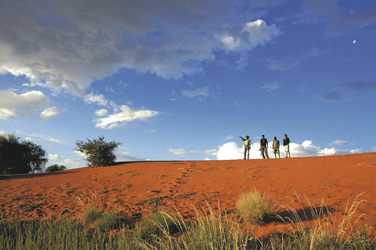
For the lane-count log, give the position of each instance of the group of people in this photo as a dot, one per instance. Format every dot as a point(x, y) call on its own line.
point(264, 147)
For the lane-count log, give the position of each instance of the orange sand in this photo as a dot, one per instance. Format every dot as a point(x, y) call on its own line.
point(136, 188)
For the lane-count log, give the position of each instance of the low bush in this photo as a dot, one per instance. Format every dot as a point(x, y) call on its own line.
point(107, 221)
point(55, 167)
point(91, 214)
point(254, 207)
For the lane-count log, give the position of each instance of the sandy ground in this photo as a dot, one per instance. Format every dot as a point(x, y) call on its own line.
point(137, 188)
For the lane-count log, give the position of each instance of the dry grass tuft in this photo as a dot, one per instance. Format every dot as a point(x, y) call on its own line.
point(254, 207)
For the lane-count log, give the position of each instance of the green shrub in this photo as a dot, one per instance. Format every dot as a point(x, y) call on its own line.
point(55, 167)
point(98, 152)
point(19, 157)
point(160, 223)
point(254, 207)
point(91, 214)
point(107, 221)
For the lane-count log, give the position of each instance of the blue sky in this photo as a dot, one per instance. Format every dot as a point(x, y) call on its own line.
point(182, 80)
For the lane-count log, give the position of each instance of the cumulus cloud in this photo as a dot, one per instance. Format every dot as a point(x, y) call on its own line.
point(196, 92)
point(101, 112)
point(68, 44)
point(231, 151)
point(181, 152)
point(49, 113)
point(308, 149)
point(71, 163)
point(14, 105)
point(253, 34)
point(124, 116)
point(98, 99)
point(53, 157)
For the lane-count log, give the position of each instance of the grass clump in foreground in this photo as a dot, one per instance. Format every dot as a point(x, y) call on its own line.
point(101, 221)
point(254, 207)
point(209, 230)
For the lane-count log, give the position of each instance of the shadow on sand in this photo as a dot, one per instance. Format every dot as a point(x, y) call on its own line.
point(27, 176)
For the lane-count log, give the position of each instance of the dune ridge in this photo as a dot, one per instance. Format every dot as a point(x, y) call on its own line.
point(136, 189)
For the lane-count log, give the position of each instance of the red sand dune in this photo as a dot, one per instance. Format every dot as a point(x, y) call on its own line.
point(135, 188)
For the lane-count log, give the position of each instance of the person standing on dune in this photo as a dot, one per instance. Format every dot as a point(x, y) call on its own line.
point(264, 147)
point(276, 147)
point(247, 146)
point(286, 145)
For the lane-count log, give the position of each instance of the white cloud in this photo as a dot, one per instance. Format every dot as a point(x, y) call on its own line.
point(68, 44)
point(124, 116)
point(13, 105)
point(270, 86)
point(211, 152)
point(101, 112)
point(231, 150)
point(39, 138)
point(260, 33)
point(196, 92)
point(308, 149)
point(71, 163)
point(339, 142)
point(80, 154)
point(253, 34)
point(123, 155)
point(53, 157)
point(181, 152)
point(99, 99)
point(33, 139)
point(49, 113)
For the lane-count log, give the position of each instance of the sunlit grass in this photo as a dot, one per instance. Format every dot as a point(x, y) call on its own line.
point(208, 230)
point(254, 207)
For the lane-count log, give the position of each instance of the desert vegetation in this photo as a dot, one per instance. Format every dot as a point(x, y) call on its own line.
point(254, 207)
point(98, 152)
point(20, 157)
point(97, 229)
point(17, 157)
point(55, 167)
point(194, 205)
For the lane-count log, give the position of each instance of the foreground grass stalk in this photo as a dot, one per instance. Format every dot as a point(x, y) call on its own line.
point(209, 230)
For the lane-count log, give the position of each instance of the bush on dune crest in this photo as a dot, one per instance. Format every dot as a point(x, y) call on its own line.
point(98, 152)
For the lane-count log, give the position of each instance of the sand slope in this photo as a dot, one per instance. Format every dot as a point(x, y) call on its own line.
point(135, 189)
